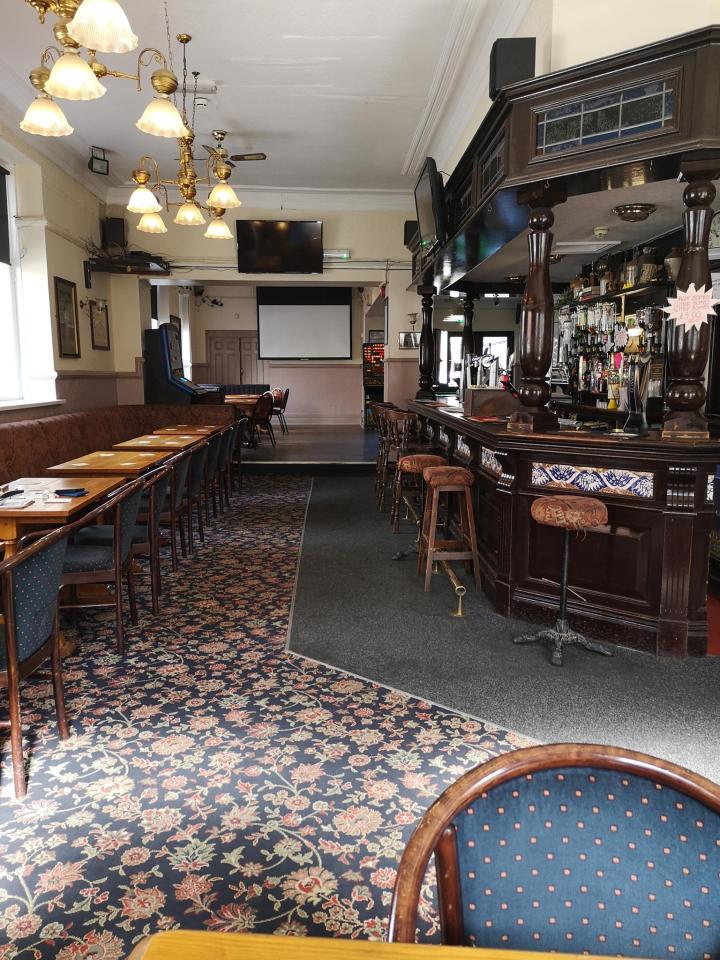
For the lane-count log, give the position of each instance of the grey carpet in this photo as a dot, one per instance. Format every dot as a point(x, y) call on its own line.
point(358, 609)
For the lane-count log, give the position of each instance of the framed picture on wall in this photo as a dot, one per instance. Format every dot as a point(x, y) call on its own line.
point(67, 318)
point(409, 340)
point(99, 325)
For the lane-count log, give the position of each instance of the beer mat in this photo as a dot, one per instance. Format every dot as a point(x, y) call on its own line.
point(489, 419)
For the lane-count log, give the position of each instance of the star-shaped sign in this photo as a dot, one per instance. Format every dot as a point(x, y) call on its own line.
point(691, 307)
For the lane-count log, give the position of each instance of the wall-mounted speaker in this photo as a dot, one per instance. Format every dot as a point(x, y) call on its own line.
point(113, 232)
point(511, 59)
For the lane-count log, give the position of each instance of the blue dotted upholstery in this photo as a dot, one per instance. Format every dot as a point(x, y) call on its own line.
point(88, 558)
point(129, 508)
point(213, 455)
point(103, 535)
point(34, 600)
point(198, 459)
point(160, 493)
point(180, 473)
point(584, 860)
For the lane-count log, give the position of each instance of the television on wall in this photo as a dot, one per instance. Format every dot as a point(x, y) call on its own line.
point(280, 246)
point(430, 207)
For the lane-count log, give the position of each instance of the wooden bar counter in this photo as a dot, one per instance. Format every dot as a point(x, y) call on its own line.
point(641, 581)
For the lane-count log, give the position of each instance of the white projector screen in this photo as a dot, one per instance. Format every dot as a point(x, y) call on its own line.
point(318, 331)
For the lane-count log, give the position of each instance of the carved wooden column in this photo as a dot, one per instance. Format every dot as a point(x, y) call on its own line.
point(468, 343)
point(688, 347)
point(427, 346)
point(536, 324)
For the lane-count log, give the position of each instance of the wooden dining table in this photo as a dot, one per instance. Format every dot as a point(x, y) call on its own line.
point(124, 463)
point(202, 430)
point(160, 441)
point(207, 945)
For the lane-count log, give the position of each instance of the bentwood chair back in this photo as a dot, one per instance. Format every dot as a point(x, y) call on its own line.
point(29, 632)
point(578, 848)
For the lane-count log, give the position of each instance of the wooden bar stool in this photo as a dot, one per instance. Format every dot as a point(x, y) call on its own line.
point(567, 513)
point(411, 465)
point(449, 480)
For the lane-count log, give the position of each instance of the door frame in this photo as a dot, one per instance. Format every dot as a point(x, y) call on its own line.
point(240, 334)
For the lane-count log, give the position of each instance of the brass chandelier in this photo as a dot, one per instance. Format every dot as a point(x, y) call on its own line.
point(148, 185)
point(98, 26)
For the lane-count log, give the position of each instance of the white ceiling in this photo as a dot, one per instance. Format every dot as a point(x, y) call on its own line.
point(332, 90)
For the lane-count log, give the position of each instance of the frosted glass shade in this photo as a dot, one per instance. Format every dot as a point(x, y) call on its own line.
point(71, 78)
point(223, 195)
point(218, 230)
point(189, 215)
point(102, 25)
point(143, 201)
point(152, 223)
point(161, 118)
point(44, 118)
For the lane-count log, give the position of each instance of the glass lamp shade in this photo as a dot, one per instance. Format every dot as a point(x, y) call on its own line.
point(71, 78)
point(143, 201)
point(44, 118)
point(152, 223)
point(223, 195)
point(161, 118)
point(218, 230)
point(102, 25)
point(189, 215)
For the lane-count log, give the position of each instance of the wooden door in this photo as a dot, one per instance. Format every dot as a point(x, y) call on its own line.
point(252, 368)
point(224, 358)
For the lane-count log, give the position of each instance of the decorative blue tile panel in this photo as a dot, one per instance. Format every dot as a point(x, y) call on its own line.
point(607, 480)
point(444, 438)
point(490, 462)
point(462, 449)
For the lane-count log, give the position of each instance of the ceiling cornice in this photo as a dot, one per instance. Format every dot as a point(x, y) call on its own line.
point(308, 198)
point(446, 105)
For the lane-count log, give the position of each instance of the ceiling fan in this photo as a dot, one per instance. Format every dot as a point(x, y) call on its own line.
point(220, 154)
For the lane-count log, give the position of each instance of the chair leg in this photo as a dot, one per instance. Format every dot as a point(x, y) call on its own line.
point(201, 528)
point(16, 747)
point(271, 433)
point(396, 501)
point(431, 538)
point(119, 629)
point(155, 576)
point(132, 596)
point(173, 541)
point(284, 423)
point(422, 545)
point(58, 684)
point(181, 531)
point(473, 536)
point(191, 535)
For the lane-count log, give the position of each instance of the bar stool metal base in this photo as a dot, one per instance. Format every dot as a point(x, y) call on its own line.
point(562, 636)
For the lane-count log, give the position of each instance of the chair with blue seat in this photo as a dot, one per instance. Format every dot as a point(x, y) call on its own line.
point(222, 481)
point(146, 534)
point(29, 632)
point(194, 493)
point(107, 563)
point(578, 848)
point(215, 444)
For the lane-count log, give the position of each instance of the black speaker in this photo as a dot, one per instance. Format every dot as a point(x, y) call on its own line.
point(511, 59)
point(113, 232)
point(411, 228)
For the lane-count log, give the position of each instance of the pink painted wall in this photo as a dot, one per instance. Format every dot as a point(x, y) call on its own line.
point(401, 379)
point(322, 393)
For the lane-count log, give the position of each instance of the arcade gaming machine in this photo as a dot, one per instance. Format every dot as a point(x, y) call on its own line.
point(163, 373)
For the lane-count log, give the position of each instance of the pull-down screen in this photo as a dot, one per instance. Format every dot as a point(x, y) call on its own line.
point(297, 323)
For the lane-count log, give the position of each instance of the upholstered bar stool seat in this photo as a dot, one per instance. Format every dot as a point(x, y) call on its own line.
point(569, 514)
point(411, 465)
point(449, 480)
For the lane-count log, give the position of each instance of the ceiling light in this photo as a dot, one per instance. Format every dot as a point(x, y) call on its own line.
point(72, 78)
point(44, 118)
point(634, 212)
point(152, 223)
point(161, 118)
point(189, 215)
point(102, 25)
point(223, 195)
point(143, 201)
point(218, 229)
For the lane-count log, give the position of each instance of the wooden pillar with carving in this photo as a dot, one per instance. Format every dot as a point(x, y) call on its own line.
point(688, 347)
point(468, 343)
point(427, 346)
point(536, 323)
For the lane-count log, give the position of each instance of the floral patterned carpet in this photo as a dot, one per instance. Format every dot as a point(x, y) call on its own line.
point(212, 780)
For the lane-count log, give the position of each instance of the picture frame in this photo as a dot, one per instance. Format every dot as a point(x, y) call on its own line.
point(376, 336)
point(409, 340)
point(99, 325)
point(66, 311)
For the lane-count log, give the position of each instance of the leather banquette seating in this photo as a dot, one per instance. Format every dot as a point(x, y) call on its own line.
point(29, 447)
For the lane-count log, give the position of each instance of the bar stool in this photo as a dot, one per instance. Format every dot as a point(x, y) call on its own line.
point(567, 513)
point(411, 465)
point(449, 480)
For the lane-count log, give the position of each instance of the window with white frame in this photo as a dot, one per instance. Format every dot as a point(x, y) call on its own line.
point(10, 369)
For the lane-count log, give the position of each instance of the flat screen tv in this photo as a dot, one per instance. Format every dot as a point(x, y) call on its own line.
point(430, 207)
point(280, 246)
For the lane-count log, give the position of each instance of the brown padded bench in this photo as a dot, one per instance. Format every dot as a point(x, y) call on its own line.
point(29, 447)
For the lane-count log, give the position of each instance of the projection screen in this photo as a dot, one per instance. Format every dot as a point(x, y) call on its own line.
point(297, 330)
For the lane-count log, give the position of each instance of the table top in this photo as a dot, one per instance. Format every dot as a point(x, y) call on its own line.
point(125, 463)
point(204, 945)
point(159, 441)
point(40, 511)
point(200, 430)
point(242, 398)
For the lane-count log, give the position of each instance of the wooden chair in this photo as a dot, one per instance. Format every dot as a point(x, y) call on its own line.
point(571, 848)
point(450, 481)
point(108, 564)
point(401, 438)
point(194, 493)
point(29, 632)
point(261, 419)
point(222, 476)
point(146, 534)
point(211, 473)
point(236, 447)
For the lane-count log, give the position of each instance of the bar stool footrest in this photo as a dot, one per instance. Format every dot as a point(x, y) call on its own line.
point(562, 636)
